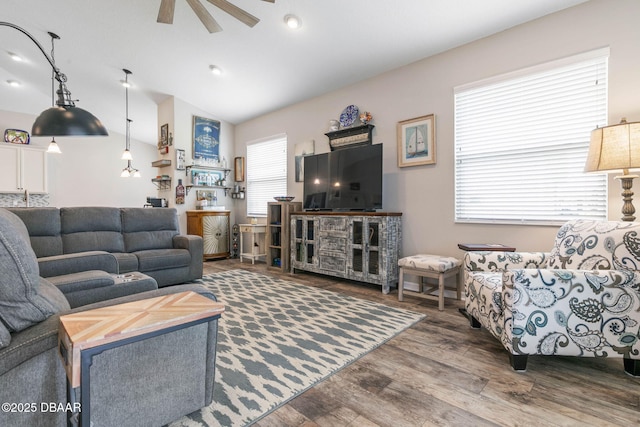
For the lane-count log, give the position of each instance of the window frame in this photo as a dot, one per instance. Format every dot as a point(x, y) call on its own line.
point(266, 176)
point(591, 207)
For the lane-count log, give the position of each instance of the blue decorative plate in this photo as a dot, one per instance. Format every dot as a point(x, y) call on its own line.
point(349, 116)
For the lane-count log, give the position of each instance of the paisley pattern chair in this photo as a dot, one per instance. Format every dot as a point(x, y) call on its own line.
point(581, 299)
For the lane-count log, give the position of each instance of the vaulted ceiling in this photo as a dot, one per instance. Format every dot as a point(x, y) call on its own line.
point(264, 67)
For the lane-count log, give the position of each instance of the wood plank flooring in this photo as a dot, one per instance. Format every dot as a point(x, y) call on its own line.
point(441, 372)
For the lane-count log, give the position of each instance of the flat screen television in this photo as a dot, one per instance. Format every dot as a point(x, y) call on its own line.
point(348, 179)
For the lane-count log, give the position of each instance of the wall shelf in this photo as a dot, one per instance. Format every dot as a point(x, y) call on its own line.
point(162, 183)
point(162, 163)
point(350, 137)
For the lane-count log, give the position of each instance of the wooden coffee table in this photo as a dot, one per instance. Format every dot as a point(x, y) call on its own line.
point(85, 334)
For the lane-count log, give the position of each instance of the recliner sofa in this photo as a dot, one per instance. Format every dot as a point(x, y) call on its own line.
point(150, 382)
point(114, 240)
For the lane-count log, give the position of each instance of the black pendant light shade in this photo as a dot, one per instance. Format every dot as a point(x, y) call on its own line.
point(67, 121)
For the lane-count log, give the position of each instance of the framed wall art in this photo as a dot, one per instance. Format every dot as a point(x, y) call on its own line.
point(417, 141)
point(180, 159)
point(206, 139)
point(238, 169)
point(302, 149)
point(164, 135)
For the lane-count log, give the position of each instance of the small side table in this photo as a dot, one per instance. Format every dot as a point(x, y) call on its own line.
point(255, 230)
point(471, 247)
point(85, 334)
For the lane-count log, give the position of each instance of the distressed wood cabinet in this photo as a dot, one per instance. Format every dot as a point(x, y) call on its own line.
point(352, 245)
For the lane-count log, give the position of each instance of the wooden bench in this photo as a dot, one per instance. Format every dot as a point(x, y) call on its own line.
point(434, 267)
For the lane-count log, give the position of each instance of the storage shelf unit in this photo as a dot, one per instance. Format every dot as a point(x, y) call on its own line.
point(362, 246)
point(278, 219)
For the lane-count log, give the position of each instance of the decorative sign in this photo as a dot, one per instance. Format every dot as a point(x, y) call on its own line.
point(16, 136)
point(206, 139)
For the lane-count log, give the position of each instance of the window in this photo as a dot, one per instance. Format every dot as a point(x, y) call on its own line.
point(521, 142)
point(266, 173)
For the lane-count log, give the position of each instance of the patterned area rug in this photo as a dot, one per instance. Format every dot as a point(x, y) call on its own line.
point(277, 338)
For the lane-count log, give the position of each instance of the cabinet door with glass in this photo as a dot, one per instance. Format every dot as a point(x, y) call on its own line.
point(303, 252)
point(364, 249)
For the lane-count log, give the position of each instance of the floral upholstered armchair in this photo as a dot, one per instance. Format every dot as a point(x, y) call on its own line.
point(581, 299)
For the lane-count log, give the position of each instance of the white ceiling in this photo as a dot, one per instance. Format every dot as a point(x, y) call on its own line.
point(266, 67)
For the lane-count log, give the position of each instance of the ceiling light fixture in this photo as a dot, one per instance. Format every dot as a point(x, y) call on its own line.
point(65, 119)
point(13, 83)
point(126, 154)
point(293, 21)
point(53, 147)
point(215, 70)
point(15, 57)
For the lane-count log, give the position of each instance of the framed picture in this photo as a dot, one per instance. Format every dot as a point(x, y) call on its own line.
point(302, 149)
point(417, 141)
point(206, 139)
point(164, 135)
point(180, 159)
point(238, 169)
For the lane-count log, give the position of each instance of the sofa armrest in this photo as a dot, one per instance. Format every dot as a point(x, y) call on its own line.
point(59, 265)
point(496, 261)
point(43, 336)
point(572, 312)
point(195, 246)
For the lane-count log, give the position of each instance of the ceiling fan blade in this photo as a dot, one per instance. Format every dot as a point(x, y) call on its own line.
point(236, 12)
point(204, 16)
point(165, 14)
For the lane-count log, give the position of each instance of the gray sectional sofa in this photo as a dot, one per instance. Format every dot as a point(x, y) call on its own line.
point(74, 240)
point(150, 382)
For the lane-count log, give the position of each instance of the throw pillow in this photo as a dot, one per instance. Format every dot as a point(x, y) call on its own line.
point(25, 298)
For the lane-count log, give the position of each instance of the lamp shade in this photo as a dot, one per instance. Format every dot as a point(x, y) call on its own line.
point(67, 121)
point(614, 147)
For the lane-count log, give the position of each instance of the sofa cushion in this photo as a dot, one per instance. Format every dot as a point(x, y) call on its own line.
point(82, 281)
point(25, 298)
point(43, 225)
point(160, 259)
point(91, 229)
point(5, 336)
point(597, 245)
point(149, 228)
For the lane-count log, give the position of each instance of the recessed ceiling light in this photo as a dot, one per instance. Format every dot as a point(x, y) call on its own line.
point(15, 57)
point(293, 21)
point(215, 70)
point(13, 83)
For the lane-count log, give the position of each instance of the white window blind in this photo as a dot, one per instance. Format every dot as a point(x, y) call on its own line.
point(266, 173)
point(521, 143)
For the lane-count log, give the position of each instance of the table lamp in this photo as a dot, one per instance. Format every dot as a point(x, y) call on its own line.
point(617, 147)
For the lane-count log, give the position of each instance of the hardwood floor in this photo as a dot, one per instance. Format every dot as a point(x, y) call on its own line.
point(442, 372)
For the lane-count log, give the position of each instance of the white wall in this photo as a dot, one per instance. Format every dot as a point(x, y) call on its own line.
point(87, 173)
point(425, 194)
point(179, 115)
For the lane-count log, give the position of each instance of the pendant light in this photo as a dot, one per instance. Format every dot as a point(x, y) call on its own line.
point(63, 119)
point(126, 155)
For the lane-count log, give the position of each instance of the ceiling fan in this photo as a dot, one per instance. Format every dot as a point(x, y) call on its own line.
point(165, 14)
